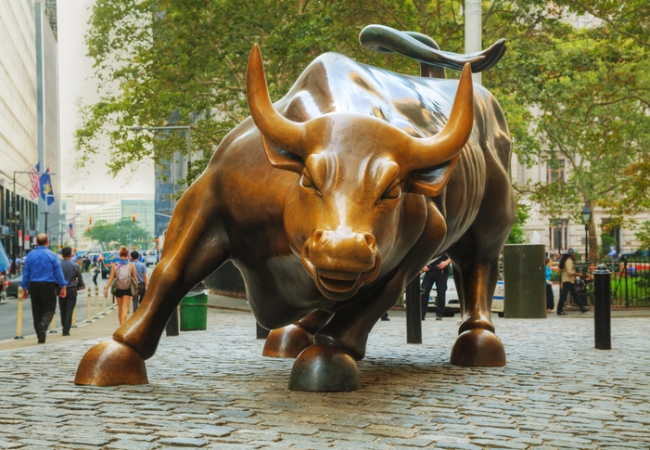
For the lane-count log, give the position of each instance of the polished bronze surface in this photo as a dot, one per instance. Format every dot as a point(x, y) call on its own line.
point(329, 202)
point(324, 367)
point(287, 342)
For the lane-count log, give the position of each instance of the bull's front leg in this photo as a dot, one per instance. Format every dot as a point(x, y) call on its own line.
point(477, 345)
point(195, 247)
point(290, 341)
point(330, 364)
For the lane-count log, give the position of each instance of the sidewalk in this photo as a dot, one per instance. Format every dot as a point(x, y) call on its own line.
point(213, 389)
point(105, 326)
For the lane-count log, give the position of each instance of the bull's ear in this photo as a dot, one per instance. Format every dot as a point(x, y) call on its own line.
point(432, 181)
point(281, 158)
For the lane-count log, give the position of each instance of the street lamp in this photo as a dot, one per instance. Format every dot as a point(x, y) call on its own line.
point(586, 217)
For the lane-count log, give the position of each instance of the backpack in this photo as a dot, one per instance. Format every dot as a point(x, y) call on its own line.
point(123, 276)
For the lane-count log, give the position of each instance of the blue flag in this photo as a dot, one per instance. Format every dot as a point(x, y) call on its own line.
point(4, 262)
point(46, 187)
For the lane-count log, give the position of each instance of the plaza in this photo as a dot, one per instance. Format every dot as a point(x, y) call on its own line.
point(213, 389)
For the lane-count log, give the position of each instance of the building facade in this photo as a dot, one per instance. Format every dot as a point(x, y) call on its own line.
point(28, 117)
point(88, 214)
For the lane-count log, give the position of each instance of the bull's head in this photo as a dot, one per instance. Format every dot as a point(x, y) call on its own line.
point(344, 213)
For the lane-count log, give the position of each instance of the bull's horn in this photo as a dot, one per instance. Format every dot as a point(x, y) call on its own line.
point(278, 129)
point(449, 142)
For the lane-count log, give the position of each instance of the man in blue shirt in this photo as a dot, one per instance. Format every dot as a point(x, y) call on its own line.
point(41, 275)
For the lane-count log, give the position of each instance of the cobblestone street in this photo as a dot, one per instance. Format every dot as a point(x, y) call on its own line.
point(212, 389)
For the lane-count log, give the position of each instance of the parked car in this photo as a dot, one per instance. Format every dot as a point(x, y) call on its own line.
point(151, 257)
point(452, 302)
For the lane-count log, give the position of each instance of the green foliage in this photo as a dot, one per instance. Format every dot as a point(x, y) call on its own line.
point(580, 95)
point(517, 235)
point(112, 235)
point(643, 235)
point(607, 241)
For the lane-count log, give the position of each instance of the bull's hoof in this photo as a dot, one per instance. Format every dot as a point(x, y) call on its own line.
point(287, 342)
point(111, 363)
point(478, 348)
point(324, 368)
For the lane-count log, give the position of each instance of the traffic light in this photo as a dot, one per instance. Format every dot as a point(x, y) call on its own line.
point(90, 221)
point(88, 229)
point(133, 217)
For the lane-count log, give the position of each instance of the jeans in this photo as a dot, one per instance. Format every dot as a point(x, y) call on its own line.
point(66, 306)
point(439, 277)
point(566, 288)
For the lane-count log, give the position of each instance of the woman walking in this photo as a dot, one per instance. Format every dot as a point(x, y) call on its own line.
point(567, 265)
point(125, 277)
point(550, 298)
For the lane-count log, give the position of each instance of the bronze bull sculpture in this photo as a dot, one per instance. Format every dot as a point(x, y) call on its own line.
point(329, 203)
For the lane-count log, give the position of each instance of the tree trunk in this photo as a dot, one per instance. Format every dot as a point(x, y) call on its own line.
point(593, 236)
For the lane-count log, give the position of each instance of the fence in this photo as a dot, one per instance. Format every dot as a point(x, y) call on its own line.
point(630, 282)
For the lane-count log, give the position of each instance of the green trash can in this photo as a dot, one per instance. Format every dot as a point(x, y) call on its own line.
point(194, 311)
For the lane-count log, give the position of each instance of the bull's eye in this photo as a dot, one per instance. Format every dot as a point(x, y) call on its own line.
point(393, 191)
point(305, 181)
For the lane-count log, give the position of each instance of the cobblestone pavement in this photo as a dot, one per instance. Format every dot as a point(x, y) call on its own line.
point(212, 389)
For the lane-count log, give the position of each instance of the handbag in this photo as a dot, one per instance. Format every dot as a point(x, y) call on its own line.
point(134, 288)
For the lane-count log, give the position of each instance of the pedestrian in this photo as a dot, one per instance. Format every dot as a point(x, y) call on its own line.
point(41, 275)
point(73, 276)
point(95, 274)
point(122, 282)
point(569, 274)
point(143, 280)
point(436, 272)
point(550, 298)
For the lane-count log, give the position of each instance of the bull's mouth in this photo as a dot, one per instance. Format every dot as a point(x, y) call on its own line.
point(336, 282)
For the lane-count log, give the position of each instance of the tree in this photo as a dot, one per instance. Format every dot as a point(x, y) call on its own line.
point(112, 235)
point(579, 95)
point(182, 62)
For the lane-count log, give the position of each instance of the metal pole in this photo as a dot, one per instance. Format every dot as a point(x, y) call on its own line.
point(627, 297)
point(262, 333)
point(19, 315)
point(172, 326)
point(14, 238)
point(413, 312)
point(473, 31)
point(602, 312)
point(189, 153)
point(587, 246)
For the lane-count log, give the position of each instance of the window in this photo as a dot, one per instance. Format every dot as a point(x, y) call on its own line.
point(558, 235)
point(555, 171)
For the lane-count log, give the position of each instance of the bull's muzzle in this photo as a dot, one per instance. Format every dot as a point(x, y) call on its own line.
point(341, 262)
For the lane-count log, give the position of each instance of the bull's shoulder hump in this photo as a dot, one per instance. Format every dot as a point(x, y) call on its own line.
point(336, 83)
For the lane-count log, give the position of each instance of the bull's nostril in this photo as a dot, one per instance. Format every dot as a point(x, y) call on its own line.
point(370, 240)
point(317, 236)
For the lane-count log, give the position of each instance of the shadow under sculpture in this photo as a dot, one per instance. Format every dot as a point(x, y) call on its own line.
point(329, 202)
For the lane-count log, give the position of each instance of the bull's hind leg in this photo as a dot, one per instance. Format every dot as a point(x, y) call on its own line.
point(289, 341)
point(477, 344)
point(476, 271)
point(195, 246)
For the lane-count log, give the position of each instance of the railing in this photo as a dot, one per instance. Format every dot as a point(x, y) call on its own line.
point(630, 282)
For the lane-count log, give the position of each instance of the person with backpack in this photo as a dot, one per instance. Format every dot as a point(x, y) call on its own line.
point(123, 282)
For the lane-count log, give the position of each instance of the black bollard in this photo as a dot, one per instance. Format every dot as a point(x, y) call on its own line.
point(262, 333)
point(602, 313)
point(172, 325)
point(413, 312)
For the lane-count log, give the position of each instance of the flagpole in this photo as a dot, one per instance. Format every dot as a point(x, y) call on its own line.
point(15, 221)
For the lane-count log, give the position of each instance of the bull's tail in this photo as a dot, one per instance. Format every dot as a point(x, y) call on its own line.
point(422, 48)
